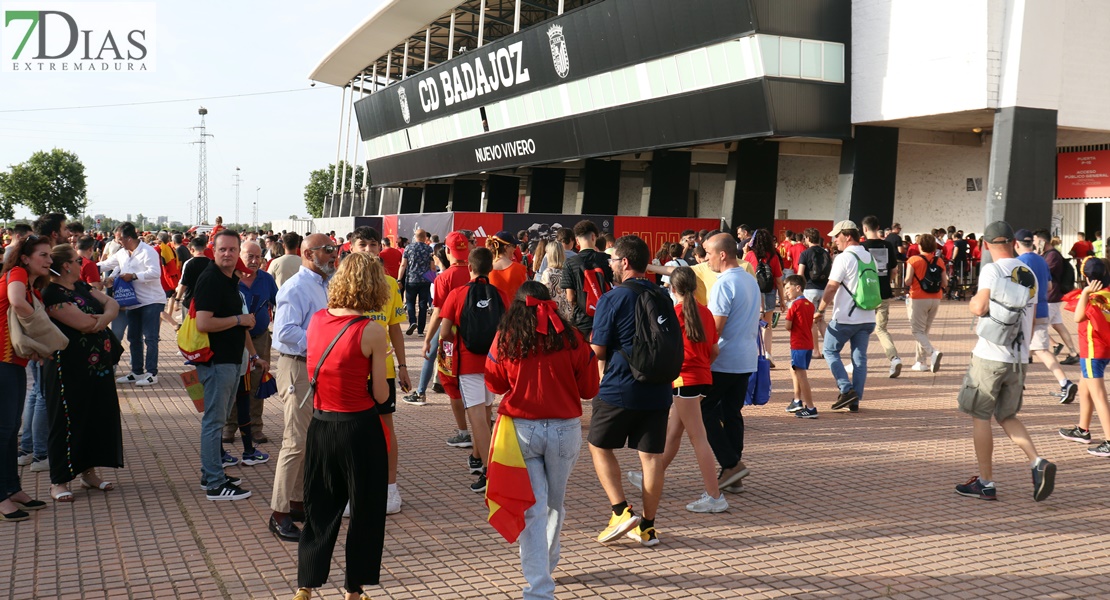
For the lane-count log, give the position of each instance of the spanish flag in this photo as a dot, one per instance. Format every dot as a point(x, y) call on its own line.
point(508, 489)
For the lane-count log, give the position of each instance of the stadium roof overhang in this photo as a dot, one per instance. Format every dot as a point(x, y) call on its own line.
point(434, 31)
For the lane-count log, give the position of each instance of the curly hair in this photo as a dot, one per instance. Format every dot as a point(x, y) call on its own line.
point(517, 337)
point(763, 244)
point(359, 284)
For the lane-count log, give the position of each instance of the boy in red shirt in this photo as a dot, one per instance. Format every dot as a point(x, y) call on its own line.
point(471, 369)
point(1092, 317)
point(799, 322)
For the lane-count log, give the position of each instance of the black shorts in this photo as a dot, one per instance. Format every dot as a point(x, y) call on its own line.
point(389, 406)
point(611, 427)
point(690, 391)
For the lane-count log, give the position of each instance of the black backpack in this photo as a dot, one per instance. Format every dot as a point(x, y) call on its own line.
point(934, 275)
point(657, 347)
point(764, 276)
point(1067, 281)
point(822, 266)
point(480, 316)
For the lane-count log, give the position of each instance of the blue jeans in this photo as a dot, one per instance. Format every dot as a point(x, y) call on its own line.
point(143, 324)
point(13, 382)
point(423, 293)
point(857, 335)
point(36, 425)
point(429, 368)
point(550, 449)
point(220, 382)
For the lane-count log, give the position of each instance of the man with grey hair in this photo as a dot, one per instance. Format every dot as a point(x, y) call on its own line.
point(302, 296)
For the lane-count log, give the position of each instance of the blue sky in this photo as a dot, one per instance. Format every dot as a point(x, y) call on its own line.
point(138, 159)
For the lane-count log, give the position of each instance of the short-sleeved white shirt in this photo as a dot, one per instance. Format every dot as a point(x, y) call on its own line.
point(845, 272)
point(989, 350)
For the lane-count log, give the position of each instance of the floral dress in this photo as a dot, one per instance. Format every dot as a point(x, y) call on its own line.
point(80, 390)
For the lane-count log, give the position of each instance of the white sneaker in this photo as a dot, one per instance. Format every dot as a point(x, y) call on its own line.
point(934, 363)
point(393, 502)
point(636, 478)
point(40, 466)
point(347, 511)
point(895, 367)
point(917, 366)
point(708, 504)
point(25, 459)
point(147, 380)
point(130, 378)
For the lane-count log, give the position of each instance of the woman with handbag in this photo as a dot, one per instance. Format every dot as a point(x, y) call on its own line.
point(79, 381)
point(346, 456)
point(26, 267)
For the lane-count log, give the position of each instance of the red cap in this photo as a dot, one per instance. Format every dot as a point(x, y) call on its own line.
point(458, 246)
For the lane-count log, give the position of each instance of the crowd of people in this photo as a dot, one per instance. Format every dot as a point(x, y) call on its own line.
point(662, 345)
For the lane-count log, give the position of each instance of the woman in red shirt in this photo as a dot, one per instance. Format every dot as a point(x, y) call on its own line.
point(345, 451)
point(699, 337)
point(26, 270)
point(544, 367)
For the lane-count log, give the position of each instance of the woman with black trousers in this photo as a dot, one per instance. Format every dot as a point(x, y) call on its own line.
point(346, 453)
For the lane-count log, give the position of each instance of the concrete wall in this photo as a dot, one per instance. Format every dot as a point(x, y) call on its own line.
point(711, 189)
point(931, 190)
point(632, 187)
point(807, 186)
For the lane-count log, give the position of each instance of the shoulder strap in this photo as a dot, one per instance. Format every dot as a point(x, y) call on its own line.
point(327, 351)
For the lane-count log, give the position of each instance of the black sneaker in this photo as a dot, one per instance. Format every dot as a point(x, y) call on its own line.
point(1068, 392)
point(437, 387)
point(411, 329)
point(232, 480)
point(475, 465)
point(795, 406)
point(845, 399)
point(479, 487)
point(854, 407)
point(975, 489)
point(1044, 478)
point(1102, 449)
point(227, 491)
point(1057, 348)
point(1076, 434)
point(415, 398)
point(1070, 360)
point(806, 413)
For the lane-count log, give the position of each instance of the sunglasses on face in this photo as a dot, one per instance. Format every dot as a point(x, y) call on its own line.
point(327, 249)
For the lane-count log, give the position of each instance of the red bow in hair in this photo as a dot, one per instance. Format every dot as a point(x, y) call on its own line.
point(546, 310)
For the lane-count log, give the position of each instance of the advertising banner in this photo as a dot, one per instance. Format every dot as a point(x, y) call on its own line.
point(656, 230)
point(1083, 174)
point(434, 223)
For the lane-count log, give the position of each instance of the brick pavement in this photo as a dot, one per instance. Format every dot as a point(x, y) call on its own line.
point(847, 506)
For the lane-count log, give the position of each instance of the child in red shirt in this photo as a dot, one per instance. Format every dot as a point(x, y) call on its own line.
point(799, 322)
point(471, 369)
point(1092, 316)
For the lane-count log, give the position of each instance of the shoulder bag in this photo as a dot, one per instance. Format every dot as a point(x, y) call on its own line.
point(35, 334)
point(312, 381)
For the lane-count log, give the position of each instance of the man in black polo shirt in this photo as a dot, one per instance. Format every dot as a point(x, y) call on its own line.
point(222, 314)
point(587, 259)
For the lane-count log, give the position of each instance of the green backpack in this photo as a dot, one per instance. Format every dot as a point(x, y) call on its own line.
point(866, 294)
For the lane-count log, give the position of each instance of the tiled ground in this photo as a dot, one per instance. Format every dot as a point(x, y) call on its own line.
point(842, 507)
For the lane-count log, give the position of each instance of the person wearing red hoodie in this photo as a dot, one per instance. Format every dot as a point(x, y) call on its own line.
point(544, 367)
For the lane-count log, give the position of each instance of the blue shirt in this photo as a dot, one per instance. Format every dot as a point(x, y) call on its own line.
point(419, 257)
point(614, 328)
point(301, 296)
point(1039, 267)
point(736, 296)
point(260, 298)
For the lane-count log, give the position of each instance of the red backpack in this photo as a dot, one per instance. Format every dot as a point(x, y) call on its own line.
point(594, 285)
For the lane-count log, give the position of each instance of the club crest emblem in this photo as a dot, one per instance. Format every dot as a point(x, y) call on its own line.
point(559, 50)
point(404, 104)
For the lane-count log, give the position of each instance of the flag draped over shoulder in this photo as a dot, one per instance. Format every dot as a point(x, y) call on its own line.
point(508, 491)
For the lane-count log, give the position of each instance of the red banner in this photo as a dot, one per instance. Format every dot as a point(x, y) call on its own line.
point(800, 225)
point(389, 228)
point(1083, 174)
point(656, 230)
point(482, 224)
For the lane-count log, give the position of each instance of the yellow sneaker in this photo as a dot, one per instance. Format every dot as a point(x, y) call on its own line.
point(646, 537)
point(618, 526)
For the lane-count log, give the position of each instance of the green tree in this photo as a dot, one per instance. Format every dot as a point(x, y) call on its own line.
point(48, 182)
point(320, 184)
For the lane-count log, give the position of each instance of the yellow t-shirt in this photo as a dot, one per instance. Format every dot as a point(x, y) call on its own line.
point(392, 313)
point(707, 277)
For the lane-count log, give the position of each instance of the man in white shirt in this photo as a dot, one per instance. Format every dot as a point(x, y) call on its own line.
point(140, 264)
point(850, 324)
point(996, 374)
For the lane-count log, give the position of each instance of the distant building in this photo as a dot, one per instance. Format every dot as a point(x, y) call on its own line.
point(129, 217)
point(163, 220)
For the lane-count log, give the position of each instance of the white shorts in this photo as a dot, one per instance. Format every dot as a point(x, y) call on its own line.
point(813, 296)
point(1055, 315)
point(473, 389)
point(1039, 339)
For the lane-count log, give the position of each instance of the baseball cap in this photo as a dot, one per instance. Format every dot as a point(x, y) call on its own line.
point(458, 246)
point(998, 232)
point(507, 237)
point(1024, 236)
point(844, 225)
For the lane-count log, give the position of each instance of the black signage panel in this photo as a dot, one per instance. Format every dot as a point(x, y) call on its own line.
point(596, 38)
point(434, 223)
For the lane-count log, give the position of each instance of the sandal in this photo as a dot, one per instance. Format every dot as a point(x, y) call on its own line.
point(63, 496)
point(30, 504)
point(15, 516)
point(105, 486)
point(303, 594)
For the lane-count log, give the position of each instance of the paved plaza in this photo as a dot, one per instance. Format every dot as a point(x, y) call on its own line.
point(846, 506)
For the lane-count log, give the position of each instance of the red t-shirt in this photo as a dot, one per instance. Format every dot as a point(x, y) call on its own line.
point(518, 256)
point(391, 260)
point(509, 280)
point(1081, 248)
point(341, 386)
point(784, 252)
point(1094, 333)
point(544, 386)
point(796, 252)
point(455, 276)
point(913, 250)
point(696, 364)
point(7, 353)
point(800, 315)
point(89, 272)
point(949, 248)
point(469, 362)
point(773, 260)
